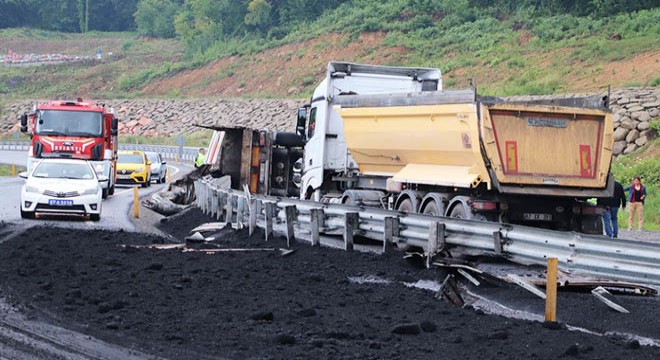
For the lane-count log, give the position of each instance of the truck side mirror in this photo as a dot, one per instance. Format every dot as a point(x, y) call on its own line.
point(115, 126)
point(24, 127)
point(300, 124)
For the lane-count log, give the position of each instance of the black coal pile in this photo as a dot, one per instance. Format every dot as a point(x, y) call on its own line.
point(239, 297)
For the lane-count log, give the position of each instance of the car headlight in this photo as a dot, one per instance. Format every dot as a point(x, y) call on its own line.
point(90, 191)
point(99, 168)
point(32, 189)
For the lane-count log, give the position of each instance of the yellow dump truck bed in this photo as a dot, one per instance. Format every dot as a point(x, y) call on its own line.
point(448, 140)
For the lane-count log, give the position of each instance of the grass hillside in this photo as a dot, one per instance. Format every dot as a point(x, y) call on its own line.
point(515, 54)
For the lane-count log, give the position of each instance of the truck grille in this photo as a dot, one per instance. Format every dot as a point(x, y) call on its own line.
point(61, 194)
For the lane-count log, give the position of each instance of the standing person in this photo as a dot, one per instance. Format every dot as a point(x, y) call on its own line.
point(611, 205)
point(201, 158)
point(636, 199)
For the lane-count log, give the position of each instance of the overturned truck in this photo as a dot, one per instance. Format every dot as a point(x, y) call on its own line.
point(390, 137)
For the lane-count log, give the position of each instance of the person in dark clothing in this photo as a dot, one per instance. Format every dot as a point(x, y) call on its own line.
point(611, 205)
point(636, 199)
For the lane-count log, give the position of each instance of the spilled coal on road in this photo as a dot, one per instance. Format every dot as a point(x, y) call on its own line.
point(238, 297)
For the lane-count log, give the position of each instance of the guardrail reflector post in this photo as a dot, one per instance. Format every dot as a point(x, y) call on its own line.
point(136, 203)
point(253, 216)
point(290, 214)
point(269, 220)
point(317, 218)
point(551, 291)
point(13, 170)
point(351, 221)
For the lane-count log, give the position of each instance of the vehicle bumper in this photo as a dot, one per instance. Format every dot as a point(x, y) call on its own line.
point(135, 178)
point(83, 204)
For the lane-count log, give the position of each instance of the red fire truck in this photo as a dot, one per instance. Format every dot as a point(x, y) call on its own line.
point(74, 129)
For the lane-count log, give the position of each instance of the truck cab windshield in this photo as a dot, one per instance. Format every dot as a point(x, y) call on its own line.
point(69, 123)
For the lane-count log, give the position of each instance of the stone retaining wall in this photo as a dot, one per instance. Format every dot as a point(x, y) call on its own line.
point(633, 111)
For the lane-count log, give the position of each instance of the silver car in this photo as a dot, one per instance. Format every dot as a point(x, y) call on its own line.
point(158, 167)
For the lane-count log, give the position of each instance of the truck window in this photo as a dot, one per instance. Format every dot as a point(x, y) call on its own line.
point(72, 123)
point(312, 123)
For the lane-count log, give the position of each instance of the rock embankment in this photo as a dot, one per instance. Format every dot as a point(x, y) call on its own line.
point(174, 117)
point(633, 109)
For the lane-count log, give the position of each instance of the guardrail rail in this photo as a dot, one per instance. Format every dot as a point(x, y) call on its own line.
point(617, 259)
point(185, 153)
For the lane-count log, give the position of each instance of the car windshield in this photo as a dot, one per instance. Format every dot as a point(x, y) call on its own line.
point(130, 159)
point(153, 157)
point(58, 170)
point(68, 123)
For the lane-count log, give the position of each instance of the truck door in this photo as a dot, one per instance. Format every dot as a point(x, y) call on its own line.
point(314, 148)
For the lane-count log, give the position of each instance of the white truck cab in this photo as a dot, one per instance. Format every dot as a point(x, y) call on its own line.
point(322, 128)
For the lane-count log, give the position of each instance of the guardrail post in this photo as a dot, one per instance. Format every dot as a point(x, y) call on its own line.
point(253, 216)
point(240, 212)
point(497, 242)
point(214, 203)
point(229, 209)
point(269, 220)
point(290, 214)
point(317, 222)
point(388, 234)
point(351, 220)
point(436, 241)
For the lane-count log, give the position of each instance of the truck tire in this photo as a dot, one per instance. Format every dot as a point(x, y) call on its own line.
point(104, 193)
point(111, 191)
point(459, 211)
point(406, 205)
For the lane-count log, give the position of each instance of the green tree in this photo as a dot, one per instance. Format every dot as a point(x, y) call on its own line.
point(258, 14)
point(156, 17)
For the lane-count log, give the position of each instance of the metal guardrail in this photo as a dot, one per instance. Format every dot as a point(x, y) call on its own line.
point(168, 152)
point(621, 259)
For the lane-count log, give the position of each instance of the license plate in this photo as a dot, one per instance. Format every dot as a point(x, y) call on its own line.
point(123, 176)
point(537, 217)
point(57, 202)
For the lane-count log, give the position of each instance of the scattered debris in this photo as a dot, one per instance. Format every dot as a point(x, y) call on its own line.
point(525, 284)
point(600, 293)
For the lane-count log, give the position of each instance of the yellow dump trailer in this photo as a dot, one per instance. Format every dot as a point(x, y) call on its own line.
point(457, 154)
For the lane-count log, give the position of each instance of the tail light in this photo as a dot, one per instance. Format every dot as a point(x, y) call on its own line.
point(484, 206)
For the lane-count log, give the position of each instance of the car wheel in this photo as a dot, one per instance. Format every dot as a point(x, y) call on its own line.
point(111, 191)
point(27, 214)
point(95, 217)
point(104, 193)
point(144, 184)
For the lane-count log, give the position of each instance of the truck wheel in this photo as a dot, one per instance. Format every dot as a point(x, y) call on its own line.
point(104, 193)
point(406, 206)
point(27, 214)
point(95, 217)
point(431, 208)
point(459, 212)
point(111, 191)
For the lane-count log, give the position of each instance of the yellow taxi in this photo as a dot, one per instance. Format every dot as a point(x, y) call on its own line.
point(133, 167)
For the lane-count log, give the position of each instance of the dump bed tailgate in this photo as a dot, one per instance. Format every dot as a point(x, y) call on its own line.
point(548, 146)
